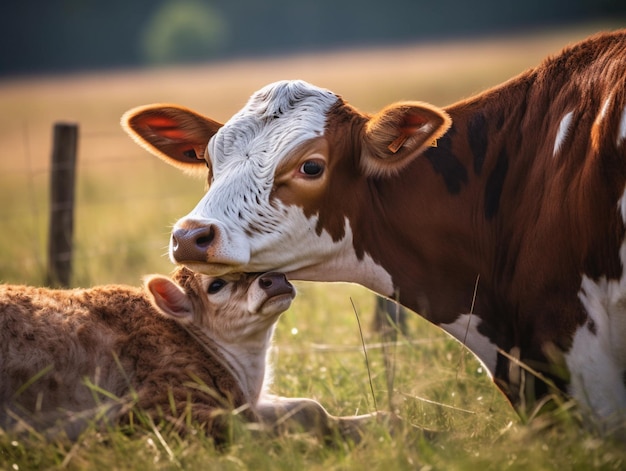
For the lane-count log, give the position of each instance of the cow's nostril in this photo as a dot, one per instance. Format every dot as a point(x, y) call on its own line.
point(205, 239)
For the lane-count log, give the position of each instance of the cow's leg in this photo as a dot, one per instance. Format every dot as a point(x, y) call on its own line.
point(389, 317)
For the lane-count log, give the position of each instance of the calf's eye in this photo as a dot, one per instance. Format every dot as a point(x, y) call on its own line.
point(216, 285)
point(312, 168)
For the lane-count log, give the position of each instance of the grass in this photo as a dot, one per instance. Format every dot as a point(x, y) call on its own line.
point(127, 200)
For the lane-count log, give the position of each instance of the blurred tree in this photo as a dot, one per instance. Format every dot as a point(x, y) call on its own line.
point(183, 31)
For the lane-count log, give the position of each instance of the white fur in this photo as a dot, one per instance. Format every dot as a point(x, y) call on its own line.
point(249, 361)
point(604, 109)
point(338, 257)
point(244, 156)
point(621, 136)
point(282, 232)
point(465, 330)
point(562, 132)
point(597, 359)
point(276, 119)
point(621, 206)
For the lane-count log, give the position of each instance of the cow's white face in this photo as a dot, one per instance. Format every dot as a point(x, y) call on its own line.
point(255, 229)
point(277, 198)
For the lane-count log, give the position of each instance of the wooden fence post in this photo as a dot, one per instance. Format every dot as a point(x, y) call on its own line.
point(62, 182)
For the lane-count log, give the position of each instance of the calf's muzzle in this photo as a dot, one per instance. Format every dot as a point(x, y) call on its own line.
point(275, 284)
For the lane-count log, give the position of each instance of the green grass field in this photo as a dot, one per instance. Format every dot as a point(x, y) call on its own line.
point(127, 201)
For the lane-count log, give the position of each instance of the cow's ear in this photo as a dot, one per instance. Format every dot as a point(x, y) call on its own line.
point(398, 134)
point(169, 298)
point(171, 132)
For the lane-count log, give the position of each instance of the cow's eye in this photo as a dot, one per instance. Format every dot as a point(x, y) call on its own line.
point(216, 285)
point(312, 168)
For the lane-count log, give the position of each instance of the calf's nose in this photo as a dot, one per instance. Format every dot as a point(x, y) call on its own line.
point(191, 244)
point(275, 284)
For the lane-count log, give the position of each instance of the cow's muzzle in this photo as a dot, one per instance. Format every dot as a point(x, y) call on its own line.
point(206, 245)
point(192, 244)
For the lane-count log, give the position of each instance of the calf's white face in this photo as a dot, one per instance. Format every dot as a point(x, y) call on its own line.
point(231, 308)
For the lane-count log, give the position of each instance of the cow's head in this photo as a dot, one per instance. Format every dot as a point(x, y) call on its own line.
point(284, 174)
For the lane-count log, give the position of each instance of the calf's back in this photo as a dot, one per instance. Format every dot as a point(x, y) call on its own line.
point(59, 350)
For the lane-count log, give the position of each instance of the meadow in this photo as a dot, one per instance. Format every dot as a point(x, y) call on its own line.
point(126, 201)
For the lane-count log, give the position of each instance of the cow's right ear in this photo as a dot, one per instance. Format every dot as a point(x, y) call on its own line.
point(173, 133)
point(169, 298)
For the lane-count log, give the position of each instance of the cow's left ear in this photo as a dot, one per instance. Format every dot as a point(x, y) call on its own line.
point(169, 298)
point(398, 134)
point(171, 132)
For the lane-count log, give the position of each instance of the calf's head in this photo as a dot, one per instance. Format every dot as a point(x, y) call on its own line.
point(283, 174)
point(231, 308)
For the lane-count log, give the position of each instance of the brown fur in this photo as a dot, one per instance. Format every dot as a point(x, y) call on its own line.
point(64, 353)
point(437, 227)
point(497, 220)
point(54, 342)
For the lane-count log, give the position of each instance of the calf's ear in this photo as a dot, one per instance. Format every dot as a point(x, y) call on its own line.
point(173, 133)
point(169, 298)
point(398, 134)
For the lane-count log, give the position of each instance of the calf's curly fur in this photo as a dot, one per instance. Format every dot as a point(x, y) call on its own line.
point(174, 351)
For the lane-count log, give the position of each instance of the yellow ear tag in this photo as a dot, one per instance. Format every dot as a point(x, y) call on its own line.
point(395, 145)
point(401, 139)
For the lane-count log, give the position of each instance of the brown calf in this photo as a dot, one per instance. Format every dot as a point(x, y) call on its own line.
point(191, 346)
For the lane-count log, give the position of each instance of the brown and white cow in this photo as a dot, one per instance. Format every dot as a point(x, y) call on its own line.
point(191, 347)
point(500, 218)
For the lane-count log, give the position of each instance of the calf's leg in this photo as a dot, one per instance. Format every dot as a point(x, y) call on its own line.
point(280, 415)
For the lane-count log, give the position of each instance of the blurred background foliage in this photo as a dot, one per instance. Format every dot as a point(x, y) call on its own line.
point(69, 35)
point(183, 31)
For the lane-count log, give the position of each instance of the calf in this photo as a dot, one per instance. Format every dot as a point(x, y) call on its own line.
point(500, 218)
point(189, 347)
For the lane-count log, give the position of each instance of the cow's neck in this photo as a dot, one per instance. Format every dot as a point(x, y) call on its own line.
point(457, 248)
point(487, 231)
point(447, 238)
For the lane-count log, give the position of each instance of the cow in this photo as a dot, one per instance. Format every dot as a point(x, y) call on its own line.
point(187, 348)
point(500, 218)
